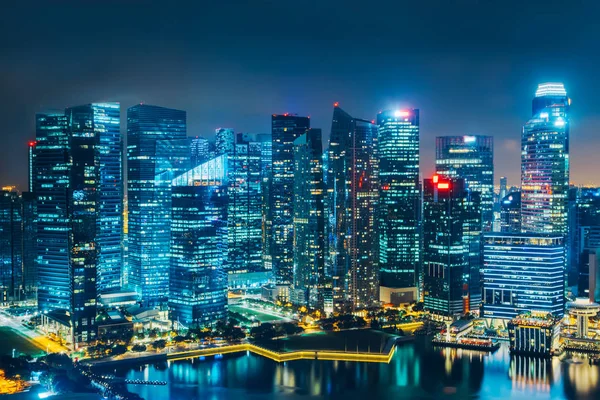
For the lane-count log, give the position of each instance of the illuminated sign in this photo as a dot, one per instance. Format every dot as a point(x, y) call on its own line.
point(469, 139)
point(401, 113)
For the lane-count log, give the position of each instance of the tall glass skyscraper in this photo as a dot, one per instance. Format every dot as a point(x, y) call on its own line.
point(523, 272)
point(399, 198)
point(452, 246)
point(472, 159)
point(352, 199)
point(198, 283)
point(11, 244)
point(199, 150)
point(102, 121)
point(545, 162)
point(510, 213)
point(285, 129)
point(309, 218)
point(157, 151)
point(224, 141)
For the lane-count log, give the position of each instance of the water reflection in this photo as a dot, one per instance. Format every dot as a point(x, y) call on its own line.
point(416, 371)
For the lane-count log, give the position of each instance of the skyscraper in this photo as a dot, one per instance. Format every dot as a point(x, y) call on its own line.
point(198, 283)
point(523, 272)
point(587, 235)
point(545, 162)
point(11, 244)
point(199, 150)
point(452, 246)
point(285, 129)
point(472, 159)
point(510, 213)
point(102, 121)
point(157, 151)
point(309, 218)
point(224, 141)
point(352, 199)
point(399, 198)
point(30, 274)
point(244, 217)
point(503, 187)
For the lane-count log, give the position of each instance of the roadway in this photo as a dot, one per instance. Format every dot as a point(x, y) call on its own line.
point(32, 335)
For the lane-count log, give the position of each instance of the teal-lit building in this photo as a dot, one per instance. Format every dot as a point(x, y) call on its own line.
point(198, 280)
point(309, 219)
point(472, 159)
point(452, 246)
point(285, 129)
point(522, 273)
point(352, 255)
point(399, 198)
point(545, 162)
point(157, 151)
point(11, 245)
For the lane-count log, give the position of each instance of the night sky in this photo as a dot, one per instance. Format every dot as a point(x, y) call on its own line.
point(471, 67)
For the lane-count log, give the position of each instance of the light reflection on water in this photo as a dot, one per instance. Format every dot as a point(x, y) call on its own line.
point(416, 371)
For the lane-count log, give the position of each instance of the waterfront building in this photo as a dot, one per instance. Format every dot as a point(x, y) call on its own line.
point(510, 213)
point(522, 273)
point(224, 141)
point(452, 246)
point(199, 150)
point(545, 162)
point(245, 217)
point(352, 199)
point(399, 199)
point(534, 333)
point(198, 280)
point(309, 219)
point(102, 122)
point(472, 159)
point(285, 129)
point(157, 150)
point(586, 236)
point(11, 244)
point(582, 309)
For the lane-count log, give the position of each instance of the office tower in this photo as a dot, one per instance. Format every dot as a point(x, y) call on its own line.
point(472, 159)
point(309, 219)
point(399, 198)
point(244, 217)
point(503, 187)
point(11, 244)
point(523, 272)
point(266, 168)
point(102, 121)
point(198, 283)
point(52, 190)
point(30, 276)
point(545, 162)
point(353, 196)
point(510, 213)
point(30, 164)
point(587, 235)
point(156, 152)
point(224, 141)
point(285, 129)
point(199, 150)
point(452, 246)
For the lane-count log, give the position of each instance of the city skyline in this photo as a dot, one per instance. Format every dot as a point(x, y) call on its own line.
point(463, 84)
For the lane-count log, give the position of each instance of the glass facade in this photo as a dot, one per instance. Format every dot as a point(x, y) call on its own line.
point(157, 151)
point(224, 141)
point(523, 272)
point(472, 159)
point(309, 218)
point(199, 150)
point(352, 200)
point(452, 246)
point(285, 129)
point(399, 198)
point(586, 235)
point(545, 162)
point(198, 283)
point(30, 275)
point(510, 213)
point(11, 245)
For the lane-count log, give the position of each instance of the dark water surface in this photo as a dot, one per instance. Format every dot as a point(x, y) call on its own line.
point(417, 371)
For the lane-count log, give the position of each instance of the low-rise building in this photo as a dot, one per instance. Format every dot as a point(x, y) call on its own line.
point(535, 332)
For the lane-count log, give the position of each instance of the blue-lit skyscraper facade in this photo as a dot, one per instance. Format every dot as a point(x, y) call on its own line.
point(399, 198)
point(452, 246)
point(199, 150)
point(510, 213)
point(198, 283)
point(352, 200)
point(545, 162)
point(157, 151)
point(523, 272)
point(309, 219)
point(224, 141)
point(102, 122)
point(285, 129)
point(11, 245)
point(51, 187)
point(472, 159)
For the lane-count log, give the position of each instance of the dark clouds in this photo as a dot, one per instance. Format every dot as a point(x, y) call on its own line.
point(470, 66)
